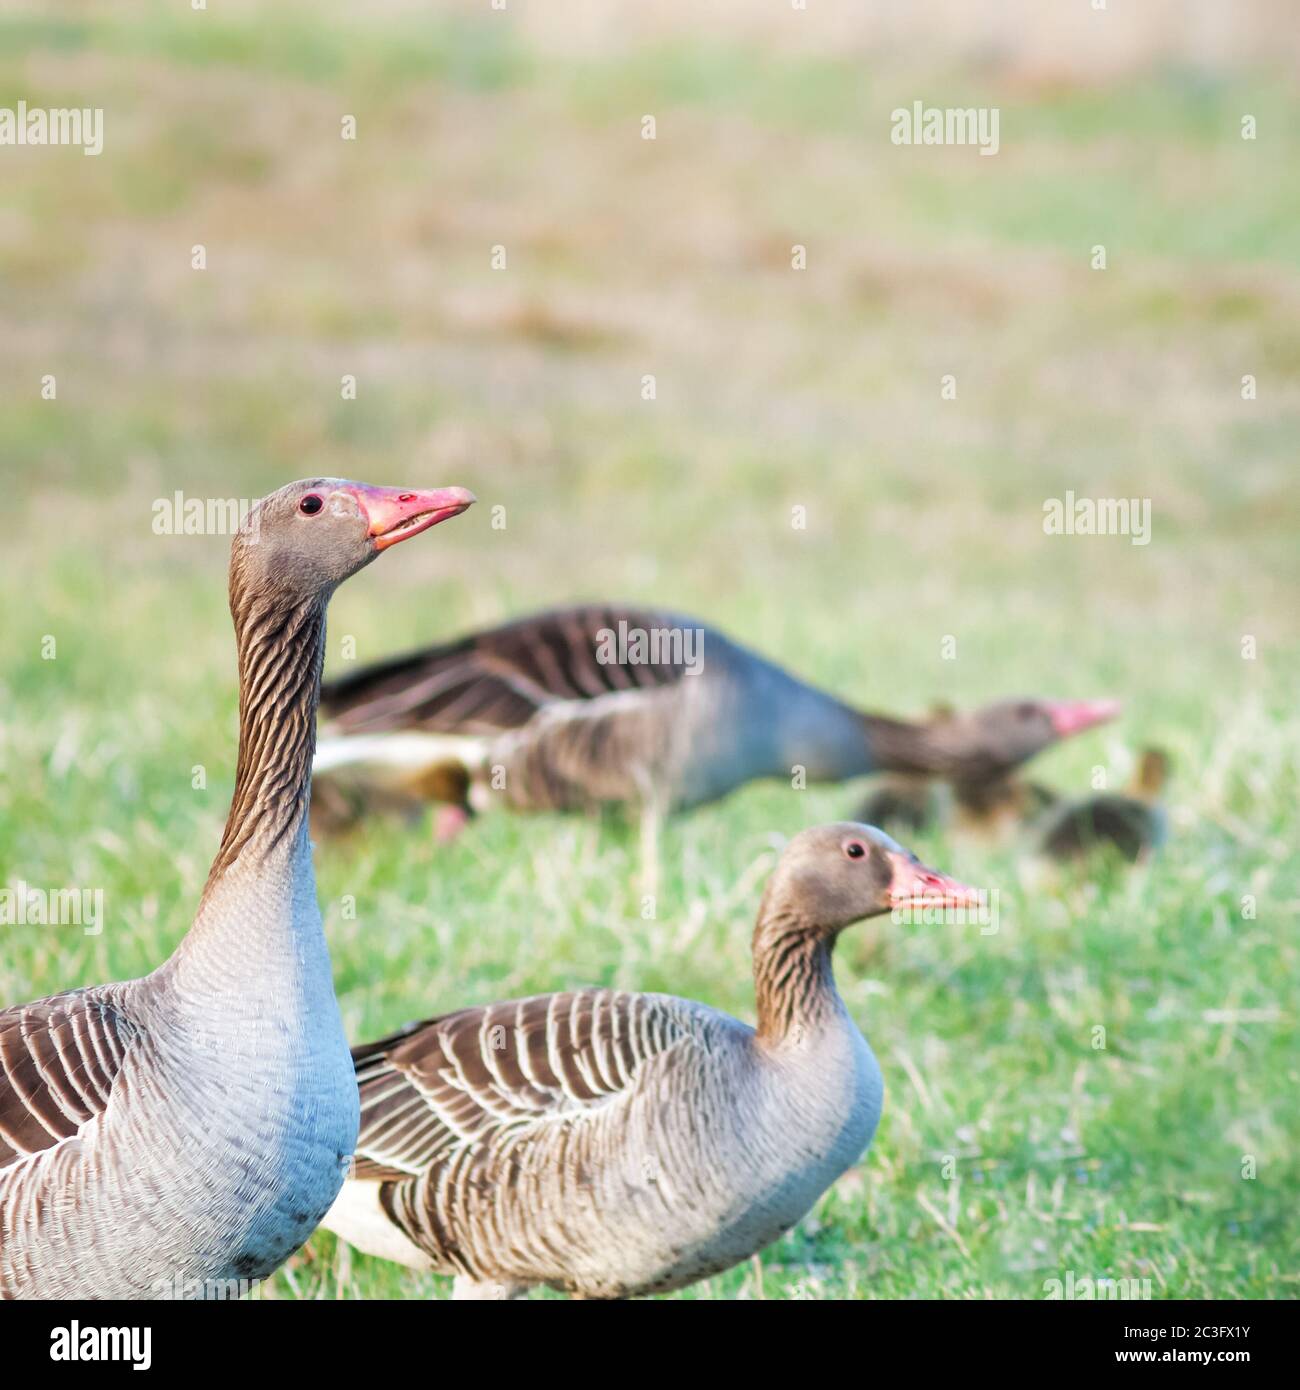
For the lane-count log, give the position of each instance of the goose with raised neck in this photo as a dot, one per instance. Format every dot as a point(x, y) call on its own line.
point(614, 1144)
point(181, 1134)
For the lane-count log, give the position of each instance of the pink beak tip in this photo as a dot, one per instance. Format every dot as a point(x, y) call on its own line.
point(460, 495)
point(397, 514)
point(1075, 716)
point(915, 884)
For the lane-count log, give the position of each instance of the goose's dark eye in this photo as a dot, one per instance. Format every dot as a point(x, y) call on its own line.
point(855, 849)
point(310, 504)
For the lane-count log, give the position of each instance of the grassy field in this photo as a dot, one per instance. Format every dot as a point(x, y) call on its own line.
point(775, 389)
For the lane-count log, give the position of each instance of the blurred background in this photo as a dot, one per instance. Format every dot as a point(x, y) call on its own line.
point(774, 388)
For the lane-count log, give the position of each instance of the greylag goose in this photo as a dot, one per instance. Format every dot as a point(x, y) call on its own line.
point(616, 1144)
point(590, 706)
point(1134, 823)
point(176, 1133)
point(990, 800)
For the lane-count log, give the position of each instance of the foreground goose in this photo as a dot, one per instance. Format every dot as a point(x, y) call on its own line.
point(615, 1144)
point(171, 1134)
point(591, 706)
point(1133, 823)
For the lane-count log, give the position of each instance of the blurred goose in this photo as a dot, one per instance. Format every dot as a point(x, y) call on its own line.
point(1134, 823)
point(1000, 805)
point(616, 1144)
point(583, 707)
point(169, 1134)
point(903, 805)
point(993, 807)
point(993, 798)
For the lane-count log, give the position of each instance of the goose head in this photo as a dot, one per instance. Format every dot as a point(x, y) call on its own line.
point(994, 740)
point(306, 538)
point(834, 875)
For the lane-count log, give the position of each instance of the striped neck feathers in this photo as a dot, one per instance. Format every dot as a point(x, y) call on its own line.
point(281, 645)
point(794, 983)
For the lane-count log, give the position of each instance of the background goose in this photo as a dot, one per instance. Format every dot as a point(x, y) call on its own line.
point(556, 712)
point(192, 1126)
point(615, 1144)
point(993, 806)
point(1134, 823)
point(991, 800)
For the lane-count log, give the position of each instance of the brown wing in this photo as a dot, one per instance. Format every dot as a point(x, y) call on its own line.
point(453, 1081)
point(497, 680)
point(59, 1058)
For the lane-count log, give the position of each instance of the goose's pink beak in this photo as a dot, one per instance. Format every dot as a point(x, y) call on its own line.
point(913, 885)
point(1074, 716)
point(397, 514)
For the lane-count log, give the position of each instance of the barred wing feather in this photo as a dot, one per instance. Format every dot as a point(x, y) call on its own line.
point(471, 1076)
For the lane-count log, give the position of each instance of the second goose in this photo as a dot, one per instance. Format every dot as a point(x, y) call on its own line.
point(615, 1144)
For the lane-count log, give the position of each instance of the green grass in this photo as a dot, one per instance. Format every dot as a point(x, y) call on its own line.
point(1012, 1149)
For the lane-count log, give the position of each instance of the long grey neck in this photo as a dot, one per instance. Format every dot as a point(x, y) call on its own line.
point(900, 745)
point(259, 904)
point(833, 741)
point(794, 984)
